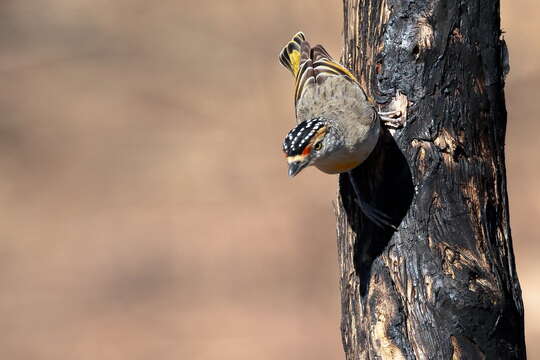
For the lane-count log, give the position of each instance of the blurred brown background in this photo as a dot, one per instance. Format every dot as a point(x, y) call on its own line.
point(147, 213)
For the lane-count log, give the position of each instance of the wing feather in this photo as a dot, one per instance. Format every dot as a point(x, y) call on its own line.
point(310, 66)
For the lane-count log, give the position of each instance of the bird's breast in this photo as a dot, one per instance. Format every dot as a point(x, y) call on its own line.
point(337, 167)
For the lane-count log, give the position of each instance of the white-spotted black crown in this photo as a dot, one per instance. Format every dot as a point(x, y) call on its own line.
point(298, 138)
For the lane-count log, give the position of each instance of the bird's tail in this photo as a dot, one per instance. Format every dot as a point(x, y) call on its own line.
point(291, 53)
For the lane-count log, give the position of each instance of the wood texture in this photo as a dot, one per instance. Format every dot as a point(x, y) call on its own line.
point(444, 286)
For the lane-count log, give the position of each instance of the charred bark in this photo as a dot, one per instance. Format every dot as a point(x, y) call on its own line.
point(444, 285)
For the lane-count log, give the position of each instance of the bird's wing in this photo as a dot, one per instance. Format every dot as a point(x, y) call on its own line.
point(290, 55)
point(324, 66)
point(310, 66)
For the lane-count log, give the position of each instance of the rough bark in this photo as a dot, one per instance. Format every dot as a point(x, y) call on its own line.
point(444, 285)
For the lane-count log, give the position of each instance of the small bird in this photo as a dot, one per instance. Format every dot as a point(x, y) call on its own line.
point(337, 127)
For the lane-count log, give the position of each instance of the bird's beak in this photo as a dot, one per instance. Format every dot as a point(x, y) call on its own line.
point(296, 166)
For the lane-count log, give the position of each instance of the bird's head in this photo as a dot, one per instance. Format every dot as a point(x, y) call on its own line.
point(308, 143)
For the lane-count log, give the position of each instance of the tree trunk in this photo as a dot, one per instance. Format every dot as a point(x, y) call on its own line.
point(444, 285)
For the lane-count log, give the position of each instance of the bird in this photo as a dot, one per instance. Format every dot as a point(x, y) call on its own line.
point(337, 126)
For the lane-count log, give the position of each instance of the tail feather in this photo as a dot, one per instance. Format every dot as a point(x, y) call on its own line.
point(292, 52)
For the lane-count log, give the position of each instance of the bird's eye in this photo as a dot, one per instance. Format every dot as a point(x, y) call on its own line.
point(318, 146)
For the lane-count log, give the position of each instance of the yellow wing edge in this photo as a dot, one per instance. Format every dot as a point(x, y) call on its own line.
point(290, 55)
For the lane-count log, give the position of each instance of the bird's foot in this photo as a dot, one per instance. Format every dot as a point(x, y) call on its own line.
point(392, 119)
point(396, 114)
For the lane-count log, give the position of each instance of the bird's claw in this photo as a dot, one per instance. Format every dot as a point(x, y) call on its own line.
point(396, 116)
point(393, 119)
